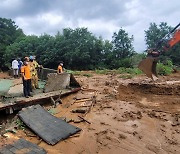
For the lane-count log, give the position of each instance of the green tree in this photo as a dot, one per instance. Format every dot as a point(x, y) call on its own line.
point(122, 49)
point(155, 33)
point(155, 38)
point(26, 46)
point(9, 33)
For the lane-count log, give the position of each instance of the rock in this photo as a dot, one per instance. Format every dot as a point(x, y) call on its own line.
point(121, 136)
point(80, 110)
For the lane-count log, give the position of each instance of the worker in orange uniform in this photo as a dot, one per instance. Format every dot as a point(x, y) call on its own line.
point(60, 68)
point(26, 77)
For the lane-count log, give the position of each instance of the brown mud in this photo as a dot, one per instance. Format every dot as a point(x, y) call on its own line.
point(4, 75)
point(129, 116)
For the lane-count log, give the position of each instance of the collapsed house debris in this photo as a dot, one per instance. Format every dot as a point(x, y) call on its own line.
point(48, 127)
point(85, 101)
point(55, 86)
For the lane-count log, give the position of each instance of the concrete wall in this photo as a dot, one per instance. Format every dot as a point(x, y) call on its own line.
point(43, 73)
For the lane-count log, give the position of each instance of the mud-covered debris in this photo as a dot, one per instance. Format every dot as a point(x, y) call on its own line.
point(153, 148)
point(84, 119)
point(122, 136)
point(134, 125)
point(80, 110)
point(111, 83)
point(176, 120)
point(11, 130)
point(132, 115)
point(158, 115)
point(86, 104)
point(66, 119)
point(177, 131)
point(172, 141)
point(82, 100)
point(103, 123)
point(82, 96)
point(78, 120)
point(136, 134)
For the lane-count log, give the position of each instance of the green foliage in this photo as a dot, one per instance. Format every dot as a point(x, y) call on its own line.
point(153, 36)
point(165, 69)
point(133, 71)
point(136, 58)
point(126, 62)
point(126, 76)
point(104, 71)
point(78, 48)
point(155, 33)
point(122, 44)
point(77, 73)
point(20, 124)
point(9, 33)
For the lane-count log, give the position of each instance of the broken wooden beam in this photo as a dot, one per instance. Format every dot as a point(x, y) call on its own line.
point(84, 119)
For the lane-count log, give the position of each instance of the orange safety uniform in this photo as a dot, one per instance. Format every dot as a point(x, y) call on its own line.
point(60, 69)
point(25, 70)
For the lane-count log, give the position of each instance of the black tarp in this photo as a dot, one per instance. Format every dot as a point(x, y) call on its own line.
point(22, 146)
point(50, 128)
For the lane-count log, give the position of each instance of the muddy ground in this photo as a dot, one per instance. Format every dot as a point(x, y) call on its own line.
point(127, 116)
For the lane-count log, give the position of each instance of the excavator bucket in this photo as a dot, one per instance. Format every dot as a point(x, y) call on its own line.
point(148, 66)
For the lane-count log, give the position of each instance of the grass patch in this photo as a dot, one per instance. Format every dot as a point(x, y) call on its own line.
point(105, 71)
point(126, 76)
point(74, 72)
point(133, 71)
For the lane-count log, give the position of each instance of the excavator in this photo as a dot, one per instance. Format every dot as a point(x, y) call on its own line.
point(148, 65)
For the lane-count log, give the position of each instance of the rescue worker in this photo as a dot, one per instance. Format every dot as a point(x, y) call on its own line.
point(20, 63)
point(15, 68)
point(60, 68)
point(26, 77)
point(34, 74)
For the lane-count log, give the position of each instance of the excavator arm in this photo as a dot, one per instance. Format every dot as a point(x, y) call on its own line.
point(175, 39)
point(148, 65)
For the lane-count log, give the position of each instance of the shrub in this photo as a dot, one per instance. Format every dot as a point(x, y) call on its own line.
point(165, 69)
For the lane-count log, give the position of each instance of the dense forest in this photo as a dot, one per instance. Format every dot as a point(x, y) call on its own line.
point(80, 49)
